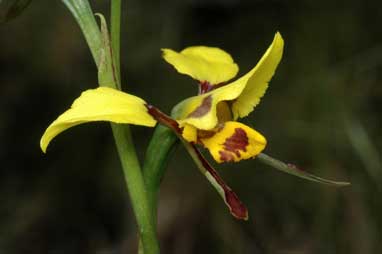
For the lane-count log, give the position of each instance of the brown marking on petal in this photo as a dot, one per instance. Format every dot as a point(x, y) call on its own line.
point(236, 207)
point(203, 109)
point(205, 86)
point(226, 156)
point(234, 144)
point(163, 118)
point(205, 134)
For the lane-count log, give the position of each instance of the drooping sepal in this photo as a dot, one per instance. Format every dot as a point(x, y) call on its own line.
point(234, 142)
point(235, 206)
point(101, 104)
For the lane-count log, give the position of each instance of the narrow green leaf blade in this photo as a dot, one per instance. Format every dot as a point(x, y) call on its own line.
point(106, 71)
point(294, 170)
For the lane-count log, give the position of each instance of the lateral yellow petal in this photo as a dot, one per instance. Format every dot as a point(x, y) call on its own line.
point(203, 63)
point(257, 79)
point(201, 111)
point(190, 133)
point(234, 142)
point(101, 104)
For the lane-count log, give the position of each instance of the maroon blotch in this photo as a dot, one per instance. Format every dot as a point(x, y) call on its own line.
point(205, 86)
point(234, 144)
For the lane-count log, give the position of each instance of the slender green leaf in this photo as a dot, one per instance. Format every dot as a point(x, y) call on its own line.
point(294, 170)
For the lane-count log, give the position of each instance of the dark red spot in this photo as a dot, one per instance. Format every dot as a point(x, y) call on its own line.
point(205, 86)
point(203, 109)
point(236, 207)
point(234, 144)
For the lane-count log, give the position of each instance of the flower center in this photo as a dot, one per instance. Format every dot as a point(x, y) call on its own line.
point(224, 114)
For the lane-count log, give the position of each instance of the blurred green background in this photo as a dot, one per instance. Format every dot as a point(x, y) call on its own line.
point(322, 111)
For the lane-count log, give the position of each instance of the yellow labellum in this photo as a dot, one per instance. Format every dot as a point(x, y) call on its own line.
point(101, 104)
point(234, 142)
point(203, 63)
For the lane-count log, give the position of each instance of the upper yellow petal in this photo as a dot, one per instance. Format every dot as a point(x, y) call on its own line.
point(201, 110)
point(257, 79)
point(101, 104)
point(203, 63)
point(234, 142)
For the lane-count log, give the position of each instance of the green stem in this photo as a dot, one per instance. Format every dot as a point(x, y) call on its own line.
point(159, 151)
point(136, 187)
point(134, 179)
point(162, 145)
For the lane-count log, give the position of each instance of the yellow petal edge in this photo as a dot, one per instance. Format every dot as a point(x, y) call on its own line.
point(203, 63)
point(235, 142)
point(258, 78)
point(245, 92)
point(101, 104)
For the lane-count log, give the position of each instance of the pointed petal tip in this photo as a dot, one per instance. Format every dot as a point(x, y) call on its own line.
point(43, 147)
point(236, 207)
point(278, 40)
point(44, 143)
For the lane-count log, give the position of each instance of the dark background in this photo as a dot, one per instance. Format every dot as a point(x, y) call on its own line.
point(322, 111)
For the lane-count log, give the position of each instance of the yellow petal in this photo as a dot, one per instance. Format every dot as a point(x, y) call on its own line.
point(203, 63)
point(201, 111)
point(257, 79)
point(234, 142)
point(190, 133)
point(101, 104)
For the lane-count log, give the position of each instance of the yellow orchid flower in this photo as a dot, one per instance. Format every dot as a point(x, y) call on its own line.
point(209, 118)
point(205, 118)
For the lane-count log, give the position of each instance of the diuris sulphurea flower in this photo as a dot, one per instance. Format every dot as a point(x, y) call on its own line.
point(208, 119)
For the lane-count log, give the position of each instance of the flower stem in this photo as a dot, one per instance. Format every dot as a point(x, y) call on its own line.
point(160, 149)
point(162, 145)
point(136, 187)
point(134, 179)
